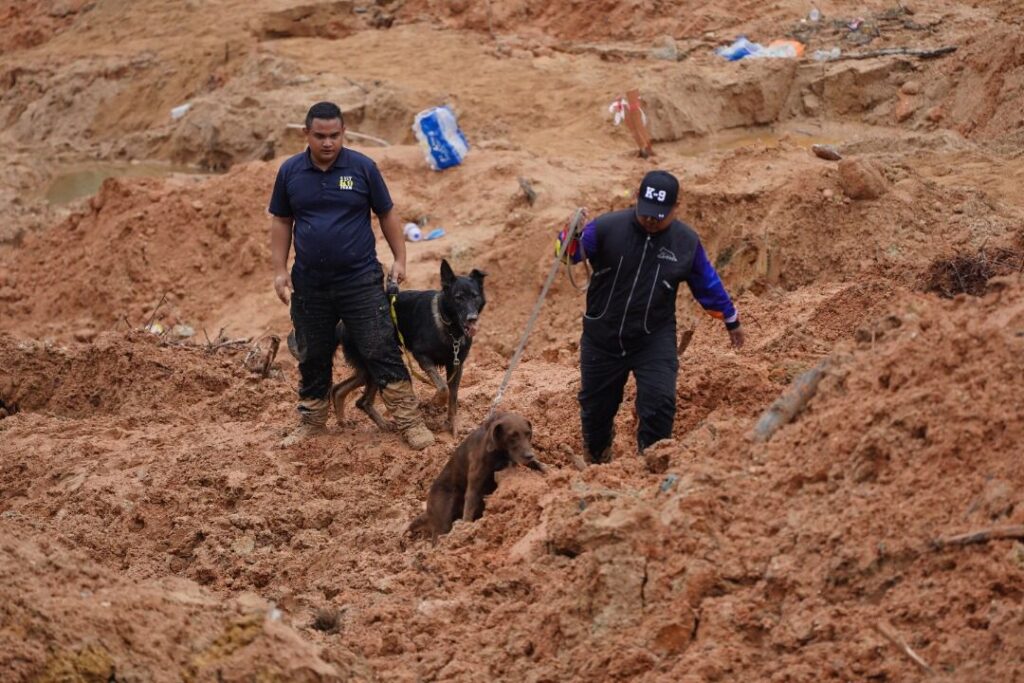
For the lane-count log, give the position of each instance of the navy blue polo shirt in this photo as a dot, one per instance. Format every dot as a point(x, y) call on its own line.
point(334, 242)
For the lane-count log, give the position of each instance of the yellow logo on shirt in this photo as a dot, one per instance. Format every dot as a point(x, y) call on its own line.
point(345, 182)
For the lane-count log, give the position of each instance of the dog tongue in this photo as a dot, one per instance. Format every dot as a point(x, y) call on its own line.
point(471, 330)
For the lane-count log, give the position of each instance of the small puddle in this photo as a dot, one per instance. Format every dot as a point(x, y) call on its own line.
point(85, 181)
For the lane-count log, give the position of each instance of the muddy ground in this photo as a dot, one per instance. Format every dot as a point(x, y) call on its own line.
point(150, 530)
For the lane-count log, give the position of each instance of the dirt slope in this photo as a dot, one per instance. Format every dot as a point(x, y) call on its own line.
point(151, 530)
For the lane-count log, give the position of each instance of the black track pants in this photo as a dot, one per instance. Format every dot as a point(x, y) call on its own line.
point(603, 375)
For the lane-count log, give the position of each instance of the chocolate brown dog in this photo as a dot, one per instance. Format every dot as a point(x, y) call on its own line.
point(468, 476)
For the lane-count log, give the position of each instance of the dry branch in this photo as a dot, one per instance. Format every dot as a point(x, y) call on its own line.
point(890, 634)
point(275, 343)
point(983, 536)
point(790, 404)
point(908, 51)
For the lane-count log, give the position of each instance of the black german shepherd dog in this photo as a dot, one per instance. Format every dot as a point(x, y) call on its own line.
point(438, 328)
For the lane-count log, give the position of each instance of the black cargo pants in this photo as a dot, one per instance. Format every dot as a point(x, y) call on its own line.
point(603, 375)
point(364, 309)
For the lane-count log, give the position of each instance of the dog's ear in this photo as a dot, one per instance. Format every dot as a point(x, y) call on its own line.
point(478, 275)
point(447, 275)
point(496, 436)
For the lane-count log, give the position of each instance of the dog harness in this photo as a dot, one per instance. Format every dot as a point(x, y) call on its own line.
point(438, 319)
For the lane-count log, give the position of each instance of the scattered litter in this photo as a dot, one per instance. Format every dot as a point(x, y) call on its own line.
point(155, 328)
point(827, 152)
point(742, 48)
point(827, 55)
point(438, 133)
point(815, 15)
point(434, 234)
point(619, 108)
point(667, 483)
point(183, 331)
point(180, 111)
point(412, 232)
point(855, 24)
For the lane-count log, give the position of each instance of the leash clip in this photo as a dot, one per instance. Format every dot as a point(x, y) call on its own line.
point(456, 346)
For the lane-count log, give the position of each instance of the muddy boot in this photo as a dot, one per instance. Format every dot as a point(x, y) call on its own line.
point(405, 410)
point(602, 458)
point(312, 421)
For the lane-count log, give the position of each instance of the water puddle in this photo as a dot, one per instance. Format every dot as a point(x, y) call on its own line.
point(85, 181)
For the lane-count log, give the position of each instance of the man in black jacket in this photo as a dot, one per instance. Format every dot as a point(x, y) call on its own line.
point(640, 256)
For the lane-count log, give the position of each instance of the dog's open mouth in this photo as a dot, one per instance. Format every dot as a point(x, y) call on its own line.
point(471, 329)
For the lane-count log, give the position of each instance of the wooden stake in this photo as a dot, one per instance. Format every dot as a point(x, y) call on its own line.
point(635, 123)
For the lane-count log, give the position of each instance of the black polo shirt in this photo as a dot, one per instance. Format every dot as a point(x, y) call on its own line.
point(334, 242)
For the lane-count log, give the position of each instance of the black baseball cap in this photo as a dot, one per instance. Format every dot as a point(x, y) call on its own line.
point(658, 193)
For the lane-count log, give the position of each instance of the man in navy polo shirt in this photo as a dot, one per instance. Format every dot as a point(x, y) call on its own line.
point(640, 256)
point(323, 197)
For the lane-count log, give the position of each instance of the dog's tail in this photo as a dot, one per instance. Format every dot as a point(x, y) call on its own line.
point(341, 339)
point(348, 348)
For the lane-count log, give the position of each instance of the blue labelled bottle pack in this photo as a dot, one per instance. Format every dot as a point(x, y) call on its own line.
point(439, 136)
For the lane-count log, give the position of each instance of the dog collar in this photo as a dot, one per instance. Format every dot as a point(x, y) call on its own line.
point(445, 327)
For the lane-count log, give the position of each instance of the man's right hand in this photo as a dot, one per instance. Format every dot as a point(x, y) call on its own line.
point(283, 287)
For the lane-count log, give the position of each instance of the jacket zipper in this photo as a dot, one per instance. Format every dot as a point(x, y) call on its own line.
point(629, 298)
point(657, 271)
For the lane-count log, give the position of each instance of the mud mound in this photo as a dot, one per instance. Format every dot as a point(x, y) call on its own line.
point(79, 622)
point(126, 373)
point(989, 73)
point(128, 244)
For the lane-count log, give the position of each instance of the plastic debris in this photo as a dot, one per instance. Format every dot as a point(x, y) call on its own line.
point(434, 234)
point(815, 15)
point(742, 48)
point(669, 481)
point(155, 328)
point(618, 110)
point(438, 133)
point(180, 111)
point(183, 331)
point(412, 232)
point(827, 55)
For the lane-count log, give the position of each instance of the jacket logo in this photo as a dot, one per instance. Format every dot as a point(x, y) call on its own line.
point(345, 182)
point(667, 255)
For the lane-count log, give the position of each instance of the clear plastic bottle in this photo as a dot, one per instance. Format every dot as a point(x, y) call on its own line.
point(412, 232)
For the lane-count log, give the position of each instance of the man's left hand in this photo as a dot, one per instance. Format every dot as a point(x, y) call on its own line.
point(397, 272)
point(736, 337)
